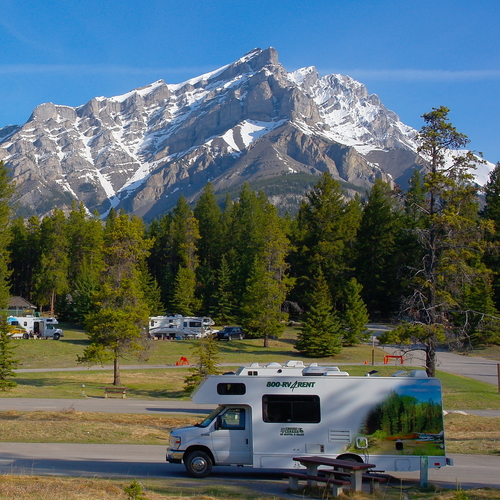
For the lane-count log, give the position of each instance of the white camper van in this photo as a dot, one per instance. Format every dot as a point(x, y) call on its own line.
point(35, 327)
point(269, 414)
point(180, 327)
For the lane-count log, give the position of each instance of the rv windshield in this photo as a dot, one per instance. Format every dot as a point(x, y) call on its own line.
point(211, 417)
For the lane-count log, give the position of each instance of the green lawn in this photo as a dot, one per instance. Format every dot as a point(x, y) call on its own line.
point(63, 353)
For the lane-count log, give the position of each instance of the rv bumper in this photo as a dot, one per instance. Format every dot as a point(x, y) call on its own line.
point(174, 457)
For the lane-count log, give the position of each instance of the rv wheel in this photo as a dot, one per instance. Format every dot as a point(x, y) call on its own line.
point(198, 464)
point(56, 336)
point(26, 336)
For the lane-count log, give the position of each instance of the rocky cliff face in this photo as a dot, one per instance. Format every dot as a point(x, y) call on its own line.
point(248, 121)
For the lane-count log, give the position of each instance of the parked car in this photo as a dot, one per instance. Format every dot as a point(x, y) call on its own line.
point(230, 333)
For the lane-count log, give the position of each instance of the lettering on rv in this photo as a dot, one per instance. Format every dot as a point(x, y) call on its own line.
point(290, 385)
point(291, 431)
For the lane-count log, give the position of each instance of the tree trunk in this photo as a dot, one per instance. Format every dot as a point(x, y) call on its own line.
point(430, 359)
point(116, 363)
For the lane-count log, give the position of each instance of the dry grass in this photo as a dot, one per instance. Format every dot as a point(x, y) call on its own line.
point(472, 434)
point(57, 488)
point(80, 427)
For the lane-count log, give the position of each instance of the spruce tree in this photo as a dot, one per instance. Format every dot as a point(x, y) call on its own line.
point(326, 230)
point(116, 326)
point(377, 257)
point(320, 335)
point(8, 361)
point(225, 303)
point(355, 315)
point(206, 353)
point(51, 277)
point(452, 240)
point(491, 212)
point(6, 193)
point(268, 283)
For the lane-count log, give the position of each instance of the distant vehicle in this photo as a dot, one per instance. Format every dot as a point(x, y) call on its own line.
point(179, 327)
point(230, 333)
point(32, 327)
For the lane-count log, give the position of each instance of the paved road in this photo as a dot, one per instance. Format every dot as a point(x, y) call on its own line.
point(135, 461)
point(483, 369)
point(105, 405)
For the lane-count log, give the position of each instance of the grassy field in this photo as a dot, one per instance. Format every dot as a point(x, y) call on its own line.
point(63, 353)
point(36, 488)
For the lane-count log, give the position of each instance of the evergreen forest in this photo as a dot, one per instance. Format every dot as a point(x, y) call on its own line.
point(424, 256)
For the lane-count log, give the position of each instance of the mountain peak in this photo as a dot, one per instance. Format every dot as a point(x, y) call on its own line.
point(248, 121)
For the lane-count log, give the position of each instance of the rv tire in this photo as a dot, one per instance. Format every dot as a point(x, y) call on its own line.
point(198, 464)
point(26, 336)
point(56, 336)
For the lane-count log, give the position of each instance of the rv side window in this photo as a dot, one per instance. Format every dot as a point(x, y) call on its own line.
point(231, 389)
point(291, 409)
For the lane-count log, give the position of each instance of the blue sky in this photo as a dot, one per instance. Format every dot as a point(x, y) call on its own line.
point(413, 55)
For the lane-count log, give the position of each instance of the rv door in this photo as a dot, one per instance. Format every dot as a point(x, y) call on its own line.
point(231, 439)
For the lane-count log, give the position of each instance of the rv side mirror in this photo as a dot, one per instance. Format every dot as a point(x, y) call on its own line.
point(218, 423)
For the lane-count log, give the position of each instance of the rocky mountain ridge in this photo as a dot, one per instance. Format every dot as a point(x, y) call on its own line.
point(250, 121)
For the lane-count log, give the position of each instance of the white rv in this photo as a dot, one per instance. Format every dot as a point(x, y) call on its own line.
point(269, 414)
point(34, 327)
point(180, 327)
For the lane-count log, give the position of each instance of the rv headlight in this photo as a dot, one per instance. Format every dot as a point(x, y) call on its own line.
point(175, 442)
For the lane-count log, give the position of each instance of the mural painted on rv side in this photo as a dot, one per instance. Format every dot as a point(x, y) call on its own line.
point(408, 422)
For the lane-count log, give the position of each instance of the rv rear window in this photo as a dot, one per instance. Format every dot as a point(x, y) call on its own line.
point(291, 409)
point(231, 389)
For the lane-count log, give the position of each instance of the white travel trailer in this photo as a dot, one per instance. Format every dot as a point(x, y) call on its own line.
point(35, 327)
point(179, 327)
point(269, 414)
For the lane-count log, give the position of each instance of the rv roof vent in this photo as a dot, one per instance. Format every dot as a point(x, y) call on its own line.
point(400, 373)
point(322, 370)
point(295, 363)
point(254, 365)
point(334, 370)
point(418, 374)
point(273, 365)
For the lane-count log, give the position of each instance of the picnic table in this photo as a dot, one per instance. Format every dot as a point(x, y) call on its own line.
point(337, 467)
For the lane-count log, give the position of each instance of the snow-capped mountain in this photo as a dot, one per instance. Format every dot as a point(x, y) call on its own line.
point(248, 121)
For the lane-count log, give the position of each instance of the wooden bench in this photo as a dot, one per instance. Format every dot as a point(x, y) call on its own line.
point(373, 479)
point(336, 484)
point(115, 390)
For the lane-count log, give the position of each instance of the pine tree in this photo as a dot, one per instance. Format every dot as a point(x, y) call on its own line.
point(326, 230)
point(8, 361)
point(268, 284)
point(206, 352)
point(320, 334)
point(452, 239)
point(184, 301)
point(225, 303)
point(377, 261)
point(115, 327)
point(51, 277)
point(6, 193)
point(355, 316)
point(492, 212)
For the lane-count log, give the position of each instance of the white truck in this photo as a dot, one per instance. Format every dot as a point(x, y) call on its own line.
point(27, 327)
point(267, 415)
point(180, 327)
